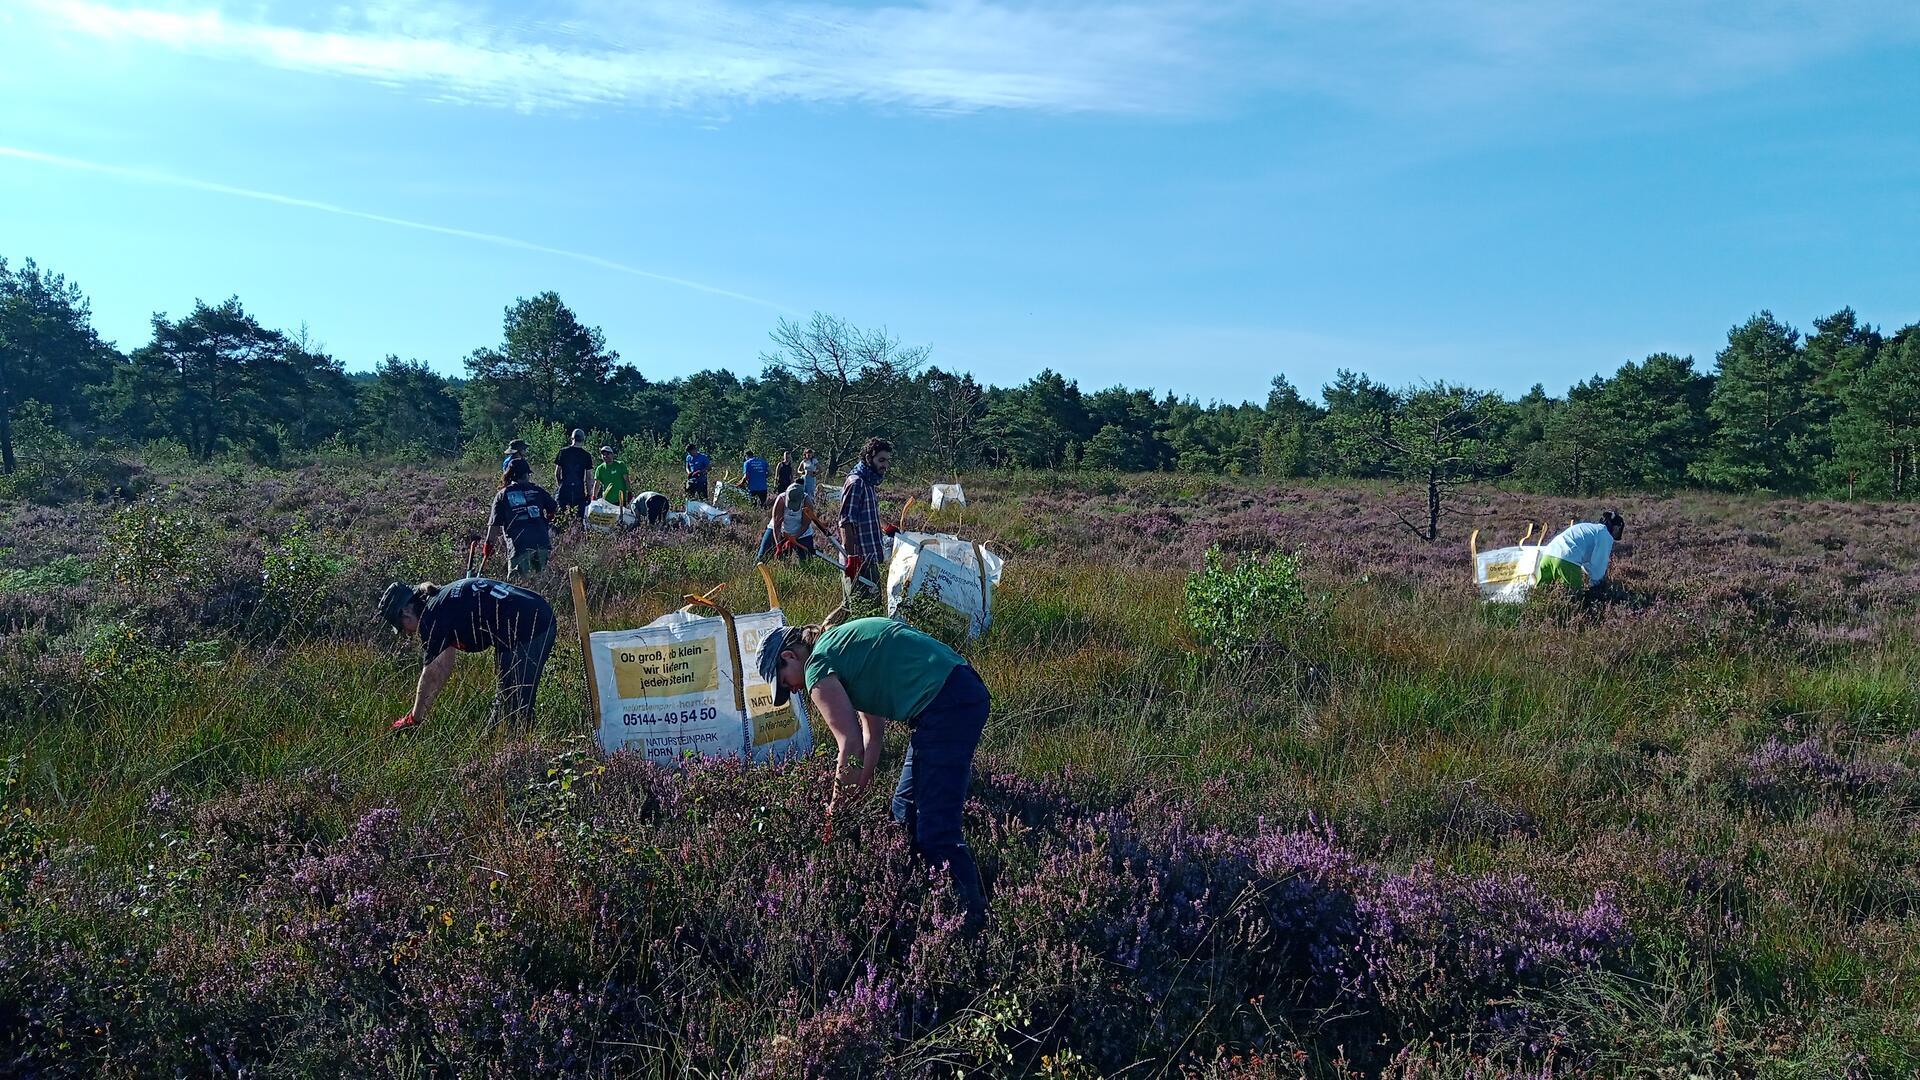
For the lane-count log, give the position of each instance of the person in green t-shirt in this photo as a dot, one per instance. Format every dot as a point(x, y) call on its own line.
point(610, 478)
point(864, 672)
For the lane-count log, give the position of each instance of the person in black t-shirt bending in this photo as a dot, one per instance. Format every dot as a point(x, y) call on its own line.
point(571, 468)
point(523, 511)
point(473, 615)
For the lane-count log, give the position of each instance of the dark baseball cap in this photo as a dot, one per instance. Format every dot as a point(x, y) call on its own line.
point(770, 648)
point(394, 602)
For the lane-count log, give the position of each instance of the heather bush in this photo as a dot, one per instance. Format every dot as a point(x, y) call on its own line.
point(1669, 832)
point(614, 905)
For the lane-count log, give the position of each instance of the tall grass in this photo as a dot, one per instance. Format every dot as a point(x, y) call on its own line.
point(211, 877)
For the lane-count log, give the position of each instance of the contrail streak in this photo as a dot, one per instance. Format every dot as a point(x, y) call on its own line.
point(169, 180)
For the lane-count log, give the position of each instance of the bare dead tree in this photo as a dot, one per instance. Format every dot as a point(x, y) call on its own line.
point(855, 380)
point(953, 404)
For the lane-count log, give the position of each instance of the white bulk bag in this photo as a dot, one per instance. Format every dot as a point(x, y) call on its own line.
point(950, 569)
point(700, 511)
point(945, 495)
point(666, 690)
point(603, 516)
point(774, 732)
point(1505, 575)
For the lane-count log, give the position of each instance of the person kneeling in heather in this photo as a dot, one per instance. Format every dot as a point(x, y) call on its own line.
point(473, 615)
point(864, 672)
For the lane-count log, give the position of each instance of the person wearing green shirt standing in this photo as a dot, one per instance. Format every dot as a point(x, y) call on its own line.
point(610, 478)
point(861, 674)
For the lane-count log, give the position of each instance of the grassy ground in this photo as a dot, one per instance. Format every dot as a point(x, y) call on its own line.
point(1378, 853)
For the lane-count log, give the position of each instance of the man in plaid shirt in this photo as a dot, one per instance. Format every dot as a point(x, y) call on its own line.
point(860, 529)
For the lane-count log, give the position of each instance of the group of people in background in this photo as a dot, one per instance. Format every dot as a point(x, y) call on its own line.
point(858, 674)
point(525, 514)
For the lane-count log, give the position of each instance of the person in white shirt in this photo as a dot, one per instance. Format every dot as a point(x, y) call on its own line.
point(1579, 555)
point(810, 472)
point(790, 520)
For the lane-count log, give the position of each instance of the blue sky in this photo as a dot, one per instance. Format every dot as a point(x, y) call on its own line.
point(1186, 196)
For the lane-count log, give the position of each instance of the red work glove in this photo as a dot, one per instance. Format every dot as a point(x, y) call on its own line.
point(486, 550)
point(890, 529)
point(403, 723)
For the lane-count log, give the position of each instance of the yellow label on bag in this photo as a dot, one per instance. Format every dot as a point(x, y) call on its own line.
point(771, 723)
point(664, 671)
point(1502, 570)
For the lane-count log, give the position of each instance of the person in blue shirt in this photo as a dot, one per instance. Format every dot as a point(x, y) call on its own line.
point(697, 466)
point(755, 471)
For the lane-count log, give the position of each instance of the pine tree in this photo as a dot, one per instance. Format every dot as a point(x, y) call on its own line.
point(1763, 401)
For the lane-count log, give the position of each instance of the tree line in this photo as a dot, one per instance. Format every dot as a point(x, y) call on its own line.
point(1834, 412)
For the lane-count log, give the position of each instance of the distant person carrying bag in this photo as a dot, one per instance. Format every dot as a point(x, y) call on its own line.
point(810, 472)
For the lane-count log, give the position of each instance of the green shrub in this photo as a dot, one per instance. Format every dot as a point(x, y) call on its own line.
point(63, 572)
point(55, 469)
point(926, 612)
point(1254, 606)
point(296, 571)
point(150, 550)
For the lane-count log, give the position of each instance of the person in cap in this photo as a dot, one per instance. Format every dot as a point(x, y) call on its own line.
point(572, 467)
point(522, 513)
point(473, 615)
point(788, 525)
point(864, 672)
point(1579, 556)
point(515, 449)
point(610, 478)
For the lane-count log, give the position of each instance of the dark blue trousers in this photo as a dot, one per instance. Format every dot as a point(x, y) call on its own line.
point(933, 780)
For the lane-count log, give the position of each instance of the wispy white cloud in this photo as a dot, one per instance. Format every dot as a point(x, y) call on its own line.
point(955, 55)
point(1115, 56)
point(145, 176)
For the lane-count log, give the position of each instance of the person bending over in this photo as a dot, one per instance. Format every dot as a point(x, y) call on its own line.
point(473, 615)
point(1578, 557)
point(861, 674)
point(788, 523)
